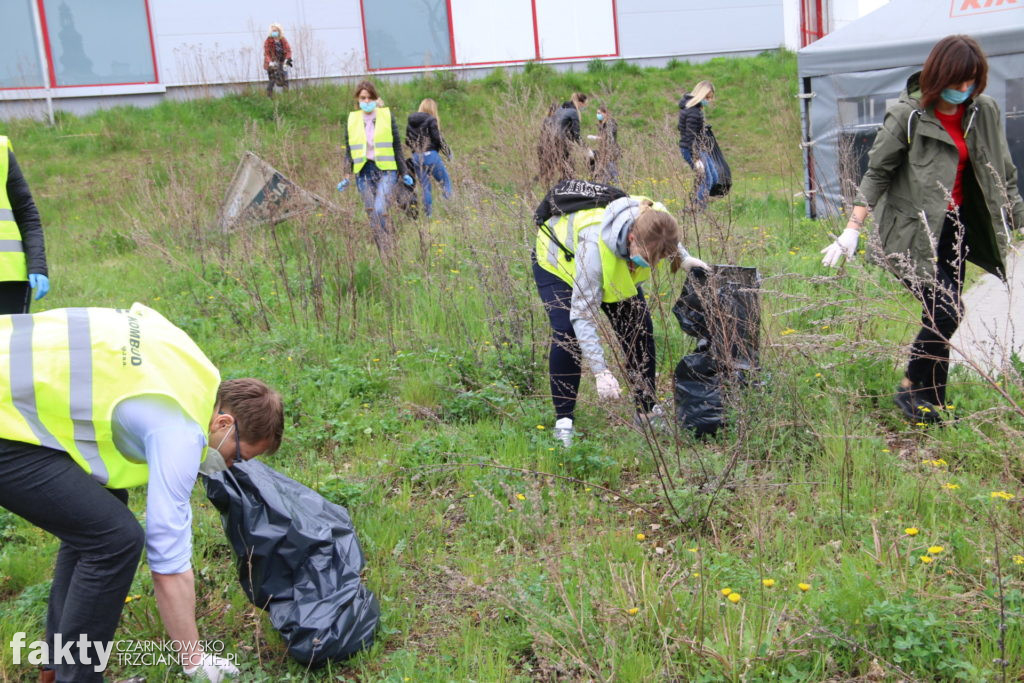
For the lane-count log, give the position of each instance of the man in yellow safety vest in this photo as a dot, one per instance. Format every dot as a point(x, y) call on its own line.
point(98, 400)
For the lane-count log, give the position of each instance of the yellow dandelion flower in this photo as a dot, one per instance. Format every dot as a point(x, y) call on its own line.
point(1001, 494)
point(886, 450)
point(726, 591)
point(1018, 559)
point(926, 560)
point(696, 575)
point(540, 427)
point(127, 599)
point(694, 549)
point(804, 587)
point(911, 531)
point(734, 598)
point(788, 330)
point(640, 537)
point(767, 583)
point(520, 496)
point(633, 610)
point(935, 549)
point(950, 486)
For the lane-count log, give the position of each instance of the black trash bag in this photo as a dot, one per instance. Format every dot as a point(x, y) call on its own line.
point(722, 305)
point(721, 308)
point(698, 395)
point(299, 559)
point(406, 200)
point(724, 182)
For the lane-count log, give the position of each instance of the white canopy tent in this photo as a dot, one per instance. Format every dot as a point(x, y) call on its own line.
point(850, 76)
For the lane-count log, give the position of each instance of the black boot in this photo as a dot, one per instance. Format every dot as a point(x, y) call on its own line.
point(914, 403)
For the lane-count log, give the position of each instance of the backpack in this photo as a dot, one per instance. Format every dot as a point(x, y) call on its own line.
point(570, 196)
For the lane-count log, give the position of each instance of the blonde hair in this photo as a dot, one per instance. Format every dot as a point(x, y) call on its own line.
point(656, 234)
point(700, 93)
point(278, 27)
point(429, 106)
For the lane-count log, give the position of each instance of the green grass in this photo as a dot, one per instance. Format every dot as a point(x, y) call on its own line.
point(415, 395)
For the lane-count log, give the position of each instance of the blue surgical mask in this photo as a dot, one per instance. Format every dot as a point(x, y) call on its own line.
point(368, 107)
point(956, 96)
point(600, 116)
point(639, 261)
point(274, 34)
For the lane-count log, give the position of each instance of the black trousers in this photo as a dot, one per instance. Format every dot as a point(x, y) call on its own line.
point(631, 321)
point(101, 542)
point(942, 311)
point(14, 297)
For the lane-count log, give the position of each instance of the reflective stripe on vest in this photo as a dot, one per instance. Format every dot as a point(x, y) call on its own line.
point(13, 266)
point(382, 141)
point(67, 369)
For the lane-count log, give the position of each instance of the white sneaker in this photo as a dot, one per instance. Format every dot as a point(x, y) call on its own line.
point(564, 431)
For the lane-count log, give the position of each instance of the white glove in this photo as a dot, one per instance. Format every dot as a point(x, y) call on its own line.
point(607, 385)
point(593, 137)
point(213, 668)
point(272, 65)
point(691, 262)
point(845, 245)
point(698, 166)
point(590, 153)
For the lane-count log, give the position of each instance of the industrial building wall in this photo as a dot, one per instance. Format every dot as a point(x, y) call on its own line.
point(667, 28)
point(199, 41)
point(78, 55)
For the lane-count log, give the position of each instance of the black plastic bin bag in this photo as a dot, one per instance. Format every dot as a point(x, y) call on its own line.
point(298, 558)
point(698, 395)
point(722, 309)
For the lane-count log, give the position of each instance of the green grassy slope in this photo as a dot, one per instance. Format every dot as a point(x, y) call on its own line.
point(415, 396)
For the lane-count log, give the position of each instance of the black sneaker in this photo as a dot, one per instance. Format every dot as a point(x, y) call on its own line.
point(915, 408)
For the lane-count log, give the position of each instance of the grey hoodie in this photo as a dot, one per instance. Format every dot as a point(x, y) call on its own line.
point(588, 290)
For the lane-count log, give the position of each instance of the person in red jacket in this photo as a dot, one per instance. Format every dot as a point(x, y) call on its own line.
point(276, 54)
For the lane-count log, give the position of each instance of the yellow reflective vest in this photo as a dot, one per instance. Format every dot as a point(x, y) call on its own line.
point(618, 282)
point(63, 371)
point(13, 266)
point(383, 144)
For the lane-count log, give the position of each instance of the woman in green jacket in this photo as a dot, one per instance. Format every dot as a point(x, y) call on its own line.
point(943, 190)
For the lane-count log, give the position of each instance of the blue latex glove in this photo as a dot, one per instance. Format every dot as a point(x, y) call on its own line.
point(40, 283)
point(343, 184)
point(407, 179)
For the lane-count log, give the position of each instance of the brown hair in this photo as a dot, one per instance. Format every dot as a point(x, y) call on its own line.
point(656, 234)
point(579, 99)
point(429, 106)
point(256, 408)
point(368, 87)
point(603, 109)
point(953, 60)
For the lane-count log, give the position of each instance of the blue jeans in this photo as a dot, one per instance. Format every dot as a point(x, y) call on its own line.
point(429, 164)
point(705, 180)
point(376, 187)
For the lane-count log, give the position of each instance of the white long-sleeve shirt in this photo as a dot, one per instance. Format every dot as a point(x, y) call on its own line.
point(156, 430)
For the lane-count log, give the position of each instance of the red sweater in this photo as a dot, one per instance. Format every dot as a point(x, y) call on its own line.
point(953, 123)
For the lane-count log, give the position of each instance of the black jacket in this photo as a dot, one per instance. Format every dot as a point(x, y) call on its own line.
point(395, 140)
point(422, 134)
point(691, 124)
point(567, 119)
point(26, 215)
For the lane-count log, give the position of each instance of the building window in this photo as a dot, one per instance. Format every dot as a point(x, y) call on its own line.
point(20, 67)
point(99, 43)
point(406, 33)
